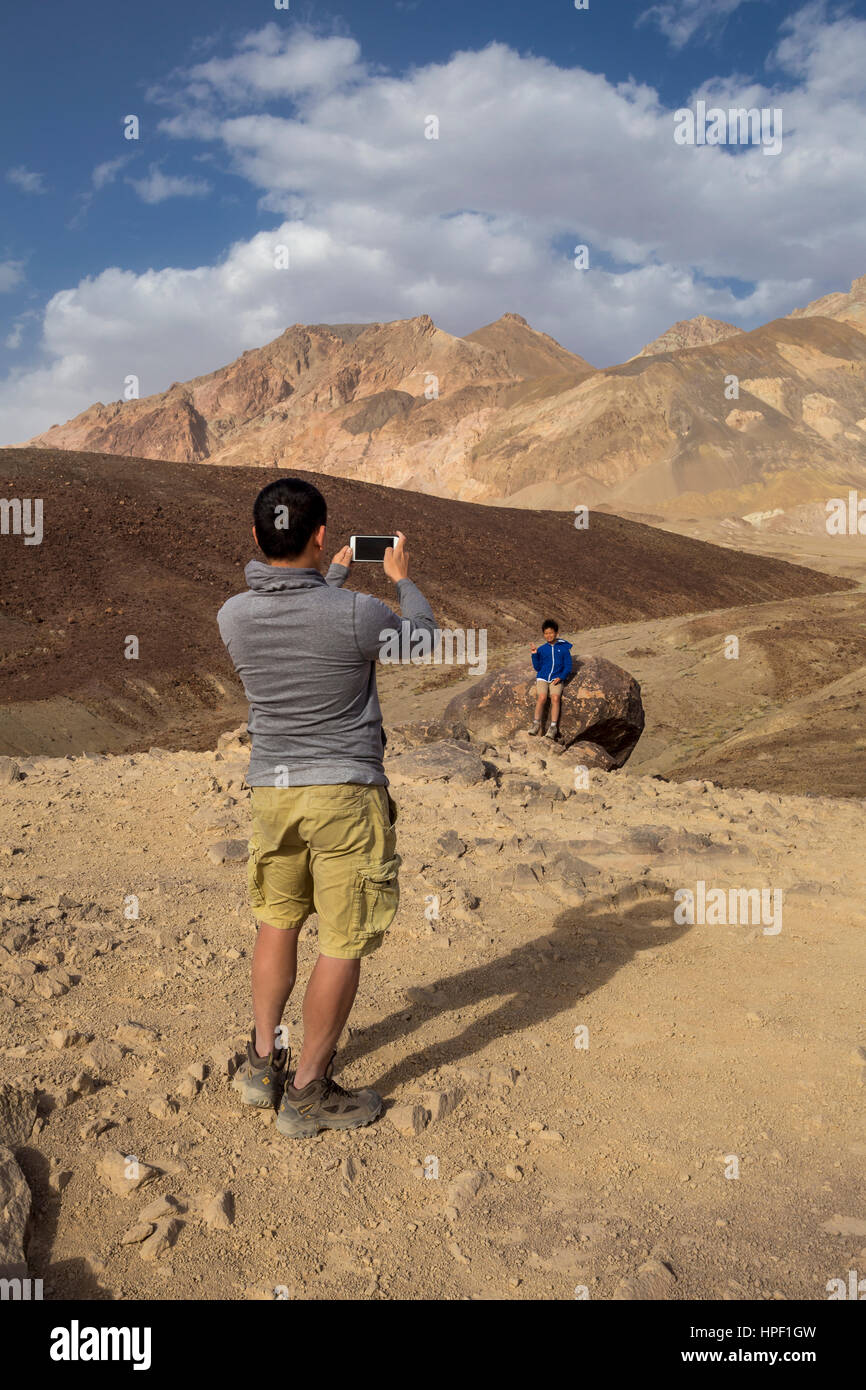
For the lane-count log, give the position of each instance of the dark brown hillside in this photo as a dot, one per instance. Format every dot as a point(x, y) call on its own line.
point(135, 546)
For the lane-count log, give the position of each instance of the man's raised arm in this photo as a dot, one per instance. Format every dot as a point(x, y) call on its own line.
point(374, 618)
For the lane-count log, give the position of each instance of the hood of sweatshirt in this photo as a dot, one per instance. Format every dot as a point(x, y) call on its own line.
point(277, 579)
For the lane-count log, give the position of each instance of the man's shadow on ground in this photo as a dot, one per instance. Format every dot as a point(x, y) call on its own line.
point(540, 987)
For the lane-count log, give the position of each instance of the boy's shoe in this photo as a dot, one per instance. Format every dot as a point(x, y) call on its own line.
point(260, 1079)
point(552, 732)
point(536, 728)
point(323, 1104)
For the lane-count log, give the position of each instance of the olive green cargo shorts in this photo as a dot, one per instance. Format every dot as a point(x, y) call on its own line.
point(330, 850)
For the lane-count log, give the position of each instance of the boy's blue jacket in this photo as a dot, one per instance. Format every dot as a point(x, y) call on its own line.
point(553, 659)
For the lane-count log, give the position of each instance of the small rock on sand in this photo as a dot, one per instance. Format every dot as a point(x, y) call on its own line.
point(125, 1173)
point(162, 1238)
point(408, 1119)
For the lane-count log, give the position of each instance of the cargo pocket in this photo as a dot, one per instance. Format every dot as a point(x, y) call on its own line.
point(254, 877)
point(393, 811)
point(376, 898)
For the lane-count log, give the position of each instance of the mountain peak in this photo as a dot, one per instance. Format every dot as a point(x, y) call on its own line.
point(690, 333)
point(528, 352)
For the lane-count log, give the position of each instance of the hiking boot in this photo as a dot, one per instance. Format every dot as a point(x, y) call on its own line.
point(535, 729)
point(260, 1079)
point(323, 1104)
point(553, 732)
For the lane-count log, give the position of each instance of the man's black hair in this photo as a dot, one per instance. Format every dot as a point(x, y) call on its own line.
point(285, 514)
point(550, 622)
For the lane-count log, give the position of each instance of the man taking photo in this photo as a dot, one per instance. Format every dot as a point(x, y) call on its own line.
point(323, 824)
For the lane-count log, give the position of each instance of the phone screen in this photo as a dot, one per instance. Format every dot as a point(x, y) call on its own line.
point(372, 547)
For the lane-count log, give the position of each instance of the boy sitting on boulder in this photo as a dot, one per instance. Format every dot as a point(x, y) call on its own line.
point(552, 662)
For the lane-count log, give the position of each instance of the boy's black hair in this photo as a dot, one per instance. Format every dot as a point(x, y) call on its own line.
point(285, 514)
point(549, 622)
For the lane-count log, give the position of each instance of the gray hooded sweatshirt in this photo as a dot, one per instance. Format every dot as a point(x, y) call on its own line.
point(306, 650)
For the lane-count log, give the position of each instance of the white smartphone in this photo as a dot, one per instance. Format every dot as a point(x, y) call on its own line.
point(370, 549)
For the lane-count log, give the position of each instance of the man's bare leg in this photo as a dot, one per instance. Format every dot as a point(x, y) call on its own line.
point(555, 703)
point(275, 963)
point(327, 1004)
point(539, 706)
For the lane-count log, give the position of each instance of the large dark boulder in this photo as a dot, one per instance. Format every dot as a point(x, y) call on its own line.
point(601, 706)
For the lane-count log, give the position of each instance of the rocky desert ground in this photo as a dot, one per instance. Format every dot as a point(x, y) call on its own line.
point(583, 1094)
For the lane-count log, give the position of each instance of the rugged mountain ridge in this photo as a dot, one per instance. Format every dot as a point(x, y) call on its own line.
point(705, 421)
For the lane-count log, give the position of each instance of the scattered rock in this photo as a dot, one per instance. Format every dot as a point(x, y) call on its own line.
point(136, 1035)
point(525, 878)
point(92, 1129)
point(349, 1168)
point(654, 1281)
point(58, 1178)
point(440, 1103)
point(125, 1173)
point(14, 1216)
point(58, 1099)
point(136, 1234)
point(219, 1214)
point(162, 1238)
point(451, 844)
point(234, 739)
point(408, 1119)
point(431, 731)
point(51, 984)
point(102, 1056)
point(584, 753)
point(162, 1107)
point(464, 1187)
point(443, 761)
point(162, 1206)
point(501, 1076)
point(17, 1113)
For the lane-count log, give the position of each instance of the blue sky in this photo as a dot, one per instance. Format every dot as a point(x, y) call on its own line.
point(305, 128)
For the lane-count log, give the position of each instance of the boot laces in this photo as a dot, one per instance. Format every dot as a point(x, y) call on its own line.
point(332, 1087)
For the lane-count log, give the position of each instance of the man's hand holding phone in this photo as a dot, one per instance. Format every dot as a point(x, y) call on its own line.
point(396, 561)
point(343, 557)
